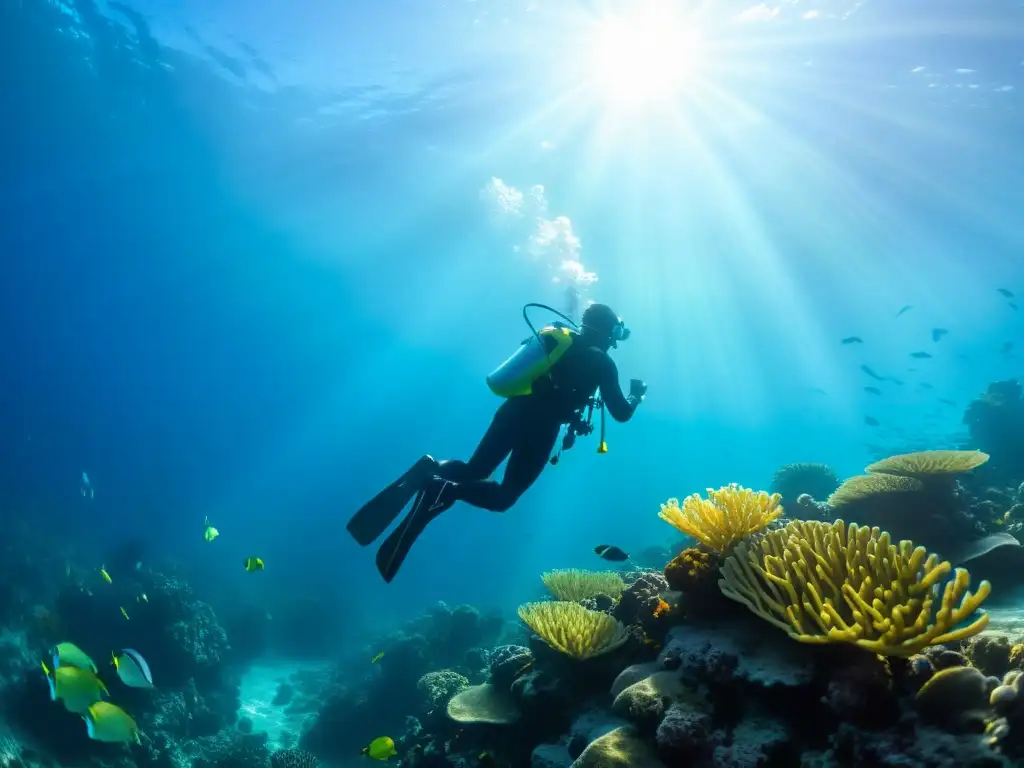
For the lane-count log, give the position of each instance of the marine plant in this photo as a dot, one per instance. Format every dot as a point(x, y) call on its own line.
point(727, 516)
point(572, 629)
point(833, 583)
point(575, 585)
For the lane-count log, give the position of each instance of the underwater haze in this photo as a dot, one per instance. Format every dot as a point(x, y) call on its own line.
point(261, 256)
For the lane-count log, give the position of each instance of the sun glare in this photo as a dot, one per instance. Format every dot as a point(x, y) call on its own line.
point(640, 60)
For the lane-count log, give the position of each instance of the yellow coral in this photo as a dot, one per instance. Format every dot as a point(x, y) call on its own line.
point(729, 514)
point(572, 629)
point(929, 463)
point(575, 585)
point(826, 583)
point(864, 487)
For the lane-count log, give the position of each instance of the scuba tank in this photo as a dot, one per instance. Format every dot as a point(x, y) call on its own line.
point(534, 360)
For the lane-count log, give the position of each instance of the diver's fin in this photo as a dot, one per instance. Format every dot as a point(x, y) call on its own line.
point(379, 512)
point(430, 502)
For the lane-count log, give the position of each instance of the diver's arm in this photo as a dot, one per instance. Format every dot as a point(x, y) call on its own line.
point(619, 406)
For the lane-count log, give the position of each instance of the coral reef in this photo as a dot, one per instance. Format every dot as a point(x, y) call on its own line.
point(576, 585)
point(574, 630)
point(792, 481)
point(727, 516)
point(826, 583)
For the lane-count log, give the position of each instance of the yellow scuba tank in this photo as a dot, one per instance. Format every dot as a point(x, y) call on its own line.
point(534, 359)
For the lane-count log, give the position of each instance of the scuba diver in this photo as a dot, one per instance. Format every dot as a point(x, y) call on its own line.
point(551, 381)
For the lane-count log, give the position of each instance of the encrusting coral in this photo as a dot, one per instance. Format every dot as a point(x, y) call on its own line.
point(727, 516)
point(829, 583)
point(575, 585)
point(572, 629)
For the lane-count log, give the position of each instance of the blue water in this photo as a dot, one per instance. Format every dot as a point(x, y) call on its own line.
point(253, 265)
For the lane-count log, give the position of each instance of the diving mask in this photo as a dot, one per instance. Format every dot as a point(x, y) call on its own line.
point(619, 331)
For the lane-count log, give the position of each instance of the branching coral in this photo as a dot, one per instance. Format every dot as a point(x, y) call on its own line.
point(728, 515)
point(572, 629)
point(826, 583)
point(576, 585)
point(926, 464)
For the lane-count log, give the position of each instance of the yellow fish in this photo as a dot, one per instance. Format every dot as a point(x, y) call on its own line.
point(210, 533)
point(110, 723)
point(46, 669)
point(253, 564)
point(125, 614)
point(380, 748)
point(377, 658)
point(77, 688)
point(105, 575)
point(70, 655)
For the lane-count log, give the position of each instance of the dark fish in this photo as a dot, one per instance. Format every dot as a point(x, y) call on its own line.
point(925, 385)
point(609, 552)
point(871, 422)
point(873, 390)
point(1005, 349)
point(893, 380)
point(852, 340)
point(1012, 306)
point(1006, 293)
point(905, 308)
point(938, 333)
point(920, 355)
point(947, 402)
point(871, 373)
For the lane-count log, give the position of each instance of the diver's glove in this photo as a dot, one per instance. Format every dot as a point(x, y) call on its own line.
point(637, 390)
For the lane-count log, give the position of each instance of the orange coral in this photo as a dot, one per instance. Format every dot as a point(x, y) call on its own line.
point(662, 609)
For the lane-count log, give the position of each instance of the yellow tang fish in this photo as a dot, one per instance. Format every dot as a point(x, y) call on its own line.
point(377, 658)
point(380, 748)
point(253, 564)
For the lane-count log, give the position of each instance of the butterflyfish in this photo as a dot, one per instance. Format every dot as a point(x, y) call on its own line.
point(380, 748)
point(210, 533)
point(253, 564)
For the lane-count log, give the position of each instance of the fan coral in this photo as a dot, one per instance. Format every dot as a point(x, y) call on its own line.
point(572, 629)
point(728, 515)
point(825, 583)
point(925, 464)
point(864, 487)
point(576, 585)
point(791, 481)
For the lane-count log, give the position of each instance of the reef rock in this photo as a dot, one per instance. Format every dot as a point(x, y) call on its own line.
point(738, 650)
point(621, 748)
point(645, 702)
point(484, 704)
point(551, 756)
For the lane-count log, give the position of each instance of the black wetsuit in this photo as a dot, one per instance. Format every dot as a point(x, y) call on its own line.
point(524, 430)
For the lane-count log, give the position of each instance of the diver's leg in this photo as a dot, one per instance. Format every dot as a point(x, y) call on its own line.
point(495, 445)
point(529, 457)
point(436, 498)
point(379, 512)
